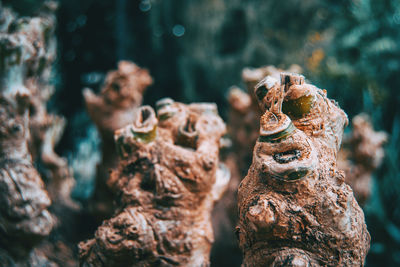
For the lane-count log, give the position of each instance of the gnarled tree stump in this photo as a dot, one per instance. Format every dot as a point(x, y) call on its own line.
point(167, 180)
point(294, 205)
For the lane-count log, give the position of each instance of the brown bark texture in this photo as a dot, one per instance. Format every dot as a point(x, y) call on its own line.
point(361, 156)
point(167, 180)
point(26, 52)
point(112, 109)
point(243, 131)
point(295, 208)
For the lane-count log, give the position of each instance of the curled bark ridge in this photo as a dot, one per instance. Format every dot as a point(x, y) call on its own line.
point(245, 112)
point(112, 109)
point(294, 207)
point(243, 129)
point(167, 180)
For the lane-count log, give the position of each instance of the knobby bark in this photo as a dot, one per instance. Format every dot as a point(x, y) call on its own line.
point(25, 54)
point(295, 208)
point(167, 180)
point(243, 130)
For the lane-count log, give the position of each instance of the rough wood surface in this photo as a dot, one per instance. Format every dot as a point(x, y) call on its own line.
point(24, 218)
point(243, 130)
point(167, 180)
point(29, 134)
point(295, 208)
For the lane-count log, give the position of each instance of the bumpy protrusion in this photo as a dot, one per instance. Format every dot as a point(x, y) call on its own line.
point(24, 218)
point(112, 109)
point(294, 207)
point(167, 180)
point(243, 131)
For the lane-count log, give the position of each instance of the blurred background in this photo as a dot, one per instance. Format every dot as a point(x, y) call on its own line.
point(196, 49)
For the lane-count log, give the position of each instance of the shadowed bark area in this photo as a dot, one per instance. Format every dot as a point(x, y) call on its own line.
point(112, 109)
